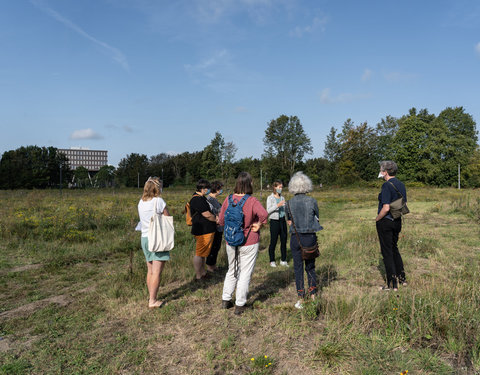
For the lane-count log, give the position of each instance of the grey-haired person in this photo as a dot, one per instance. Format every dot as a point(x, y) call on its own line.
point(388, 228)
point(303, 210)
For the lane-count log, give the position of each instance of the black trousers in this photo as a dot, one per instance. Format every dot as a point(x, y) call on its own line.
point(217, 243)
point(388, 231)
point(278, 228)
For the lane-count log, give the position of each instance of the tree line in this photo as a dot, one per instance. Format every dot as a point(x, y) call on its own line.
point(427, 148)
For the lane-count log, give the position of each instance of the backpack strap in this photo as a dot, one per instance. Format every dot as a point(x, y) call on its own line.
point(398, 191)
point(241, 202)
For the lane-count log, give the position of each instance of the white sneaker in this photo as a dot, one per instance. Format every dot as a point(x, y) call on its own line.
point(282, 263)
point(273, 264)
point(299, 304)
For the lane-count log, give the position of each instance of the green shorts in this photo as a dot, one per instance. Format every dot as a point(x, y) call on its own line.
point(149, 256)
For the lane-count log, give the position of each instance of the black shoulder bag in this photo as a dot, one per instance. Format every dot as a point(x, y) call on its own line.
point(310, 252)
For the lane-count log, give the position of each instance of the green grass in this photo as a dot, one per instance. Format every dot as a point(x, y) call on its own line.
point(71, 302)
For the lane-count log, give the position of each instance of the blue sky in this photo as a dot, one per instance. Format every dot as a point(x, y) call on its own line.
point(152, 76)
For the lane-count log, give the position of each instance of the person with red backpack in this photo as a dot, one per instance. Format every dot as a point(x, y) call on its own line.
point(242, 217)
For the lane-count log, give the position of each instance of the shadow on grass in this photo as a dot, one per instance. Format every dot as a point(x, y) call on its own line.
point(276, 281)
point(381, 269)
point(194, 285)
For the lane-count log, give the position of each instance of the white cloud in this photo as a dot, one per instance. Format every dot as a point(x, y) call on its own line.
point(85, 134)
point(114, 53)
point(477, 48)
point(367, 74)
point(317, 23)
point(207, 65)
point(327, 98)
point(216, 71)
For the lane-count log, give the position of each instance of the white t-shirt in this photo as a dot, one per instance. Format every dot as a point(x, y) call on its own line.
point(145, 212)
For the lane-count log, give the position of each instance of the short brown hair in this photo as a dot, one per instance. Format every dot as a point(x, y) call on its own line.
point(152, 188)
point(276, 183)
point(243, 184)
point(216, 186)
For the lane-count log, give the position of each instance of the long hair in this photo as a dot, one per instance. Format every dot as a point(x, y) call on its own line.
point(243, 184)
point(300, 183)
point(152, 188)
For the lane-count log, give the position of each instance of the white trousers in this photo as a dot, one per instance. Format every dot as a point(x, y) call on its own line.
point(246, 263)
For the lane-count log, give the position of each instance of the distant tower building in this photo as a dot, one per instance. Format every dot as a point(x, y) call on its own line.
point(93, 160)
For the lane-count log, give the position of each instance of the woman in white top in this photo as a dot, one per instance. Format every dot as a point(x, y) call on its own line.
point(155, 261)
point(278, 225)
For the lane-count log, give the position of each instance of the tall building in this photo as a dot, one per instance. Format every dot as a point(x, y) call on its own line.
point(93, 160)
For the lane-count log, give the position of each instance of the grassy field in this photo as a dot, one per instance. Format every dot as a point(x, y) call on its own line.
point(73, 298)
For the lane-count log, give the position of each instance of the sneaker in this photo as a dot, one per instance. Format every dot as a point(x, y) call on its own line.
point(273, 264)
point(227, 304)
point(299, 304)
point(387, 288)
point(282, 263)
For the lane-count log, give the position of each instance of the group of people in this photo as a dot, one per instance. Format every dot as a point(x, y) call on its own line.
point(300, 213)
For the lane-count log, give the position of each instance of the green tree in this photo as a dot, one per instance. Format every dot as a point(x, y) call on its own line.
point(212, 154)
point(82, 177)
point(332, 147)
point(358, 148)
point(228, 156)
point(386, 130)
point(286, 140)
point(162, 165)
point(105, 176)
point(33, 167)
point(457, 130)
point(471, 174)
point(318, 169)
point(132, 170)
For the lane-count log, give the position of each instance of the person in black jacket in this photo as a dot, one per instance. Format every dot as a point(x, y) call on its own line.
point(389, 228)
point(204, 226)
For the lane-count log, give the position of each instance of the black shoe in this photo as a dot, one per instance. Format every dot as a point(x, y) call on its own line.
point(227, 304)
point(239, 310)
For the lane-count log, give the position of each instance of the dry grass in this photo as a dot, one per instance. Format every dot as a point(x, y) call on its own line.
point(102, 325)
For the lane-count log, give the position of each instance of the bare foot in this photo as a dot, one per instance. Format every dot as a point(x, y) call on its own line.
point(155, 305)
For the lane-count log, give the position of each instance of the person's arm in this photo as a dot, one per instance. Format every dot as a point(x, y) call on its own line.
point(315, 208)
point(209, 216)
point(261, 214)
point(287, 215)
point(386, 197)
point(272, 204)
point(165, 211)
point(383, 212)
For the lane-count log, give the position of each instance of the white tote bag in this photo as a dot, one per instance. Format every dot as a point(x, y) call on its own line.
point(160, 232)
